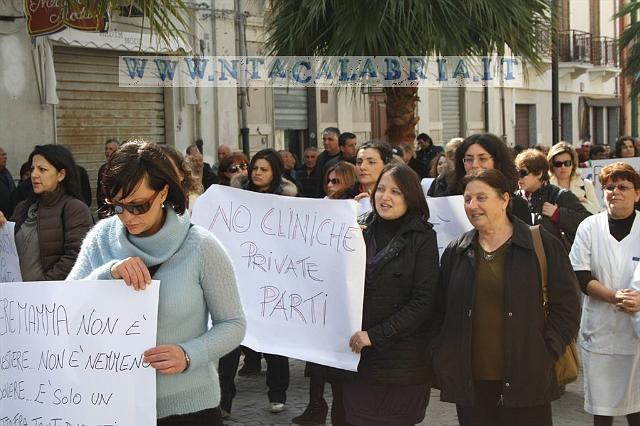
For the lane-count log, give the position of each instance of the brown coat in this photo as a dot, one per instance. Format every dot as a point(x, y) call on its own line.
point(62, 222)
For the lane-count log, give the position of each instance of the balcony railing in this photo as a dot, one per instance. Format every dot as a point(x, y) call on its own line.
point(574, 46)
point(604, 52)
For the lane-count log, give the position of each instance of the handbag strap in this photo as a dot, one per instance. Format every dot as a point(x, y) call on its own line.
point(542, 261)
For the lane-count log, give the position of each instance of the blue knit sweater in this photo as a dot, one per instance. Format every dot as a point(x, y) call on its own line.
point(197, 279)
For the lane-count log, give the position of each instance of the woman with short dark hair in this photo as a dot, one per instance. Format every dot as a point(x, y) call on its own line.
point(495, 354)
point(52, 221)
point(626, 147)
point(149, 236)
point(558, 210)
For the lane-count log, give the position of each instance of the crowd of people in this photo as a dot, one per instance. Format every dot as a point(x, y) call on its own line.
point(474, 323)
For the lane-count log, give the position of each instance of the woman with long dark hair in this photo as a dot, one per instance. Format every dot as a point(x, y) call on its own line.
point(391, 386)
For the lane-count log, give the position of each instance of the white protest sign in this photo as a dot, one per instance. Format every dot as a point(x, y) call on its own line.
point(71, 353)
point(593, 170)
point(300, 265)
point(448, 218)
point(9, 264)
point(426, 184)
point(364, 206)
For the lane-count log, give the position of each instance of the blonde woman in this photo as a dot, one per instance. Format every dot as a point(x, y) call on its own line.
point(564, 173)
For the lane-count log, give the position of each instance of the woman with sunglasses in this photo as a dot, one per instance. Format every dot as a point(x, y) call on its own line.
point(149, 236)
point(605, 254)
point(558, 210)
point(52, 222)
point(340, 181)
point(233, 166)
point(564, 173)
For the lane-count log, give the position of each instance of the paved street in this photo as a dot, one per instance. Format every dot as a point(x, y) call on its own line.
point(250, 406)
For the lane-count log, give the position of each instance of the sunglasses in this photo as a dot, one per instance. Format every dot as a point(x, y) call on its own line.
point(236, 168)
point(523, 173)
point(621, 187)
point(333, 181)
point(566, 163)
point(135, 209)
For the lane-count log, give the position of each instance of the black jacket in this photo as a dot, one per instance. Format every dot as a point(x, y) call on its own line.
point(399, 306)
point(531, 344)
point(572, 211)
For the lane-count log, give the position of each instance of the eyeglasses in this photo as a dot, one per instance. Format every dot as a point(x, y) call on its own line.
point(236, 168)
point(523, 173)
point(333, 181)
point(135, 209)
point(566, 163)
point(481, 160)
point(621, 187)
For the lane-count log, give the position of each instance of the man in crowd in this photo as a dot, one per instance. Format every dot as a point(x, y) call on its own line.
point(348, 144)
point(330, 137)
point(110, 146)
point(427, 149)
point(305, 176)
point(223, 152)
point(204, 175)
point(409, 158)
point(6, 185)
point(289, 162)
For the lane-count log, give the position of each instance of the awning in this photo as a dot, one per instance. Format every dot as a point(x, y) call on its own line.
point(118, 40)
point(45, 73)
point(609, 101)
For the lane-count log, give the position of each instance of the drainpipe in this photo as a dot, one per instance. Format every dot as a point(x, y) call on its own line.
point(244, 130)
point(555, 87)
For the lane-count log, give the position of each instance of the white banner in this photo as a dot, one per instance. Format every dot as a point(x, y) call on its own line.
point(71, 353)
point(448, 218)
point(300, 266)
point(593, 170)
point(426, 184)
point(9, 264)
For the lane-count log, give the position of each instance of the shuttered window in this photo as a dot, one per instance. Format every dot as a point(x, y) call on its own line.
point(450, 110)
point(93, 108)
point(290, 108)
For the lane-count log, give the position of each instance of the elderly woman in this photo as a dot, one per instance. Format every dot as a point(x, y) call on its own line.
point(495, 354)
point(52, 221)
point(557, 210)
point(391, 386)
point(605, 254)
point(564, 173)
point(150, 236)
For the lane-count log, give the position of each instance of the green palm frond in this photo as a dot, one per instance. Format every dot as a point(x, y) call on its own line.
point(167, 19)
point(406, 27)
point(629, 39)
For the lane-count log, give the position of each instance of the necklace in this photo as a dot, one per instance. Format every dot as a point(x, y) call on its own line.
point(490, 255)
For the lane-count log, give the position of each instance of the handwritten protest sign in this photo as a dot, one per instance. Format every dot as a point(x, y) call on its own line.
point(9, 264)
point(300, 266)
point(593, 170)
point(71, 353)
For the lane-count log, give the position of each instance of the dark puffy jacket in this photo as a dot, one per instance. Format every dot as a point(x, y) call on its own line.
point(531, 344)
point(399, 306)
point(572, 211)
point(62, 222)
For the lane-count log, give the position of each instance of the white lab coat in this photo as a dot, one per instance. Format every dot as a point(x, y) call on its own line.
point(610, 348)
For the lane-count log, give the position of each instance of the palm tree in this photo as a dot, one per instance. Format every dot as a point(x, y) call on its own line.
point(407, 28)
point(629, 40)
